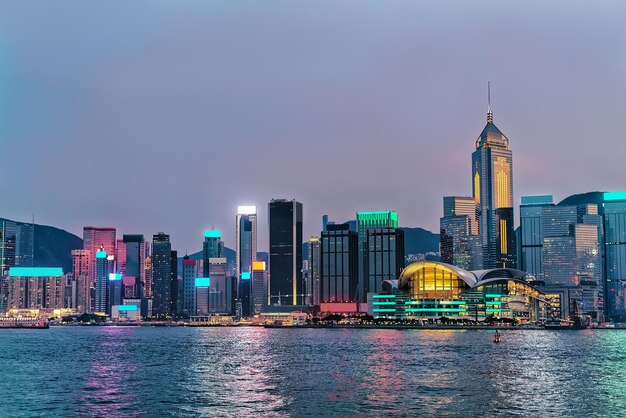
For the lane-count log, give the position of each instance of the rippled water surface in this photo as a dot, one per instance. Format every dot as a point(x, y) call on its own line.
point(131, 371)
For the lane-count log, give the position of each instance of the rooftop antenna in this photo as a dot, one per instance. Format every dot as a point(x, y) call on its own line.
point(489, 112)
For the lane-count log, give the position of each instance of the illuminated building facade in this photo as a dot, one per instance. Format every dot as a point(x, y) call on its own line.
point(492, 190)
point(212, 247)
point(459, 241)
point(259, 287)
point(93, 238)
point(365, 222)
point(429, 290)
point(245, 238)
point(314, 269)
point(285, 253)
point(102, 276)
point(133, 266)
point(339, 264)
point(561, 247)
point(32, 288)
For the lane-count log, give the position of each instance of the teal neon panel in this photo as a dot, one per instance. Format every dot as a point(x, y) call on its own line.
point(614, 196)
point(493, 303)
point(212, 233)
point(384, 296)
point(113, 277)
point(493, 310)
point(384, 303)
point(203, 282)
point(126, 307)
point(245, 275)
point(35, 271)
point(101, 254)
point(435, 310)
point(537, 200)
point(493, 295)
point(384, 310)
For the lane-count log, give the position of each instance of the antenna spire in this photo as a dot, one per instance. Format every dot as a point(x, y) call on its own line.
point(489, 111)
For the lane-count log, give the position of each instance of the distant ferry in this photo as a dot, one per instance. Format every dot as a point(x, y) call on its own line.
point(23, 322)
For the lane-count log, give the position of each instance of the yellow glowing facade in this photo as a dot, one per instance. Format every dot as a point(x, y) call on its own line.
point(502, 169)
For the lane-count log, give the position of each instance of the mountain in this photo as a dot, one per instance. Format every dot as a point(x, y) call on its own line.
point(420, 241)
point(53, 246)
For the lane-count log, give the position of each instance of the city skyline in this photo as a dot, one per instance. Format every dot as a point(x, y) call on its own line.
point(146, 96)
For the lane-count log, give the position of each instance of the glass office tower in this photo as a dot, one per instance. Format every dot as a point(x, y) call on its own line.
point(384, 258)
point(366, 221)
point(339, 264)
point(615, 254)
point(285, 255)
point(459, 241)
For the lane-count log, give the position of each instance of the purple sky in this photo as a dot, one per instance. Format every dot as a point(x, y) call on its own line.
point(165, 115)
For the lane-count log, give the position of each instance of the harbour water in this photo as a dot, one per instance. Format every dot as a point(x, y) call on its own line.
point(189, 372)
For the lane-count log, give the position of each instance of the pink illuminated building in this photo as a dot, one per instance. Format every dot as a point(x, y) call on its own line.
point(93, 238)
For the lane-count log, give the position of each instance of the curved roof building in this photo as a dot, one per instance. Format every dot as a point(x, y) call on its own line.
point(433, 289)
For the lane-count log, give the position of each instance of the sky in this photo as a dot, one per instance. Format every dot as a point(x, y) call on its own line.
point(166, 115)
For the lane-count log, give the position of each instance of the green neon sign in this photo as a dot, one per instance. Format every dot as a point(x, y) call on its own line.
point(384, 296)
point(493, 295)
point(384, 310)
point(384, 303)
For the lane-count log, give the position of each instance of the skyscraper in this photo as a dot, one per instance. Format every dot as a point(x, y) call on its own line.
point(175, 308)
point(133, 266)
point(102, 276)
point(8, 231)
point(314, 269)
point(614, 207)
point(285, 252)
point(190, 272)
point(339, 264)
point(560, 246)
point(531, 233)
point(367, 221)
point(25, 245)
point(458, 239)
point(93, 238)
point(492, 188)
point(259, 287)
point(161, 274)
point(245, 238)
point(212, 247)
point(384, 258)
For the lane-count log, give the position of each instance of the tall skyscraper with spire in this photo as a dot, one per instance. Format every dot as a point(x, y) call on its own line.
point(492, 181)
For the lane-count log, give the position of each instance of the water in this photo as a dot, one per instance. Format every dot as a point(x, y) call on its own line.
point(132, 371)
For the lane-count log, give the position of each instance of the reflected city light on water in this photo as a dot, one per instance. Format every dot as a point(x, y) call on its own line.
point(106, 387)
point(109, 371)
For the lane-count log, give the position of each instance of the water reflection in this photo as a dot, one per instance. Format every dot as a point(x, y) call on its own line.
point(106, 391)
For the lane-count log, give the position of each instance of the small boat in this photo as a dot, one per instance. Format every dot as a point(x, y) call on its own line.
point(496, 338)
